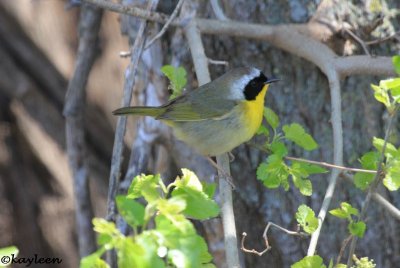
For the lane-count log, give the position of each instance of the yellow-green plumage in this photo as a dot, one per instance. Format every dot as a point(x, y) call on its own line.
point(216, 117)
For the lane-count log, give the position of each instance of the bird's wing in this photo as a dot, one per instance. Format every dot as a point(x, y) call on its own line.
point(197, 105)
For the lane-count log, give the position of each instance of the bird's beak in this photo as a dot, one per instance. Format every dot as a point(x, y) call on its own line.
point(272, 80)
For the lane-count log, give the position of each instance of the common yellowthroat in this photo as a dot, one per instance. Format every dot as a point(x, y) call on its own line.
point(217, 116)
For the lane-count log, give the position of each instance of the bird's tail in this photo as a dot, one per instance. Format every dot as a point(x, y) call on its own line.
point(140, 110)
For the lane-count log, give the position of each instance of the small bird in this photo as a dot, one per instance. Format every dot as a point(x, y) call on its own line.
point(217, 116)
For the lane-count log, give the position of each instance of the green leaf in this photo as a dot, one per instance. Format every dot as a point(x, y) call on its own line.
point(263, 130)
point(186, 248)
point(305, 216)
point(198, 205)
point(396, 63)
point(309, 262)
point(337, 212)
point(130, 254)
point(176, 77)
point(209, 189)
point(392, 177)
point(390, 150)
point(104, 227)
point(105, 240)
point(357, 228)
point(297, 134)
point(345, 211)
point(381, 95)
point(151, 241)
point(146, 186)
point(390, 83)
point(172, 208)
point(8, 251)
point(363, 180)
point(271, 117)
point(349, 209)
point(278, 148)
point(300, 172)
point(189, 180)
point(304, 185)
point(130, 210)
point(368, 161)
point(94, 260)
point(273, 173)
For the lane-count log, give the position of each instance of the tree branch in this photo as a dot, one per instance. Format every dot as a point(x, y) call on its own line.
point(324, 164)
point(298, 39)
point(136, 51)
point(133, 11)
point(89, 25)
point(166, 25)
point(228, 219)
point(336, 117)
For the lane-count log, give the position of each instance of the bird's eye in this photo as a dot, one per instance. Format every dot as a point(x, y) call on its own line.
point(253, 83)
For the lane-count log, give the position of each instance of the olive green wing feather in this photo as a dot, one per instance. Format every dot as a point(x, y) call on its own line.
point(199, 104)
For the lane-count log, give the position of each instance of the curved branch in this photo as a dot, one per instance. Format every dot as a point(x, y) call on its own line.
point(336, 117)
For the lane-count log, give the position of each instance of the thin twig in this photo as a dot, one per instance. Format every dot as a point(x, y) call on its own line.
point(383, 39)
point(89, 25)
point(336, 118)
point(374, 185)
point(254, 251)
point(265, 237)
point(324, 164)
point(358, 39)
point(228, 219)
point(166, 25)
point(342, 248)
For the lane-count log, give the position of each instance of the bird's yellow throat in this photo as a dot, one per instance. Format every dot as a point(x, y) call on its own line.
point(253, 111)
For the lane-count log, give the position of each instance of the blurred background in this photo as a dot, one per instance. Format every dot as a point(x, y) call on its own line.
point(38, 46)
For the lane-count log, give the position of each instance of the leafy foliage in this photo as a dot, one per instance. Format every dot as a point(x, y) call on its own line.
point(173, 241)
point(176, 77)
point(391, 166)
point(388, 91)
point(368, 161)
point(274, 171)
point(305, 216)
point(347, 211)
